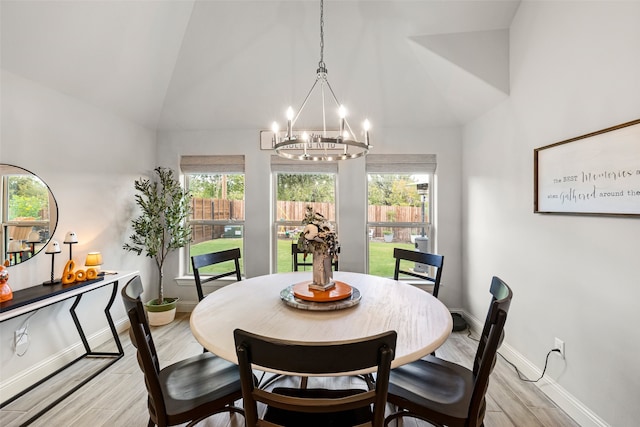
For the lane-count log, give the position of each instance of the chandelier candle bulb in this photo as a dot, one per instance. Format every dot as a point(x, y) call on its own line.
point(289, 122)
point(366, 125)
point(275, 128)
point(305, 140)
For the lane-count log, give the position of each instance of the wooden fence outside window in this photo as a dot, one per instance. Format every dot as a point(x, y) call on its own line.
point(229, 210)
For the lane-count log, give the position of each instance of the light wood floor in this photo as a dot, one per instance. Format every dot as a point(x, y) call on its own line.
point(117, 398)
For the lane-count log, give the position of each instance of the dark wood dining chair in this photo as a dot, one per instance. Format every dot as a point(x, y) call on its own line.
point(445, 393)
point(298, 262)
point(312, 407)
point(184, 392)
point(199, 262)
point(433, 260)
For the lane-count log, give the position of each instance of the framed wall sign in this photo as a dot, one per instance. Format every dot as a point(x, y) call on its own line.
point(593, 174)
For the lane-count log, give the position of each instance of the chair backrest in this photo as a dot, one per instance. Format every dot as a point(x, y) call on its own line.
point(298, 262)
point(433, 260)
point(490, 339)
point(201, 261)
point(141, 338)
point(315, 358)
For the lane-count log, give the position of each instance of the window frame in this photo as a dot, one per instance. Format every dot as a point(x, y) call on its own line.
point(402, 164)
point(281, 165)
point(212, 165)
point(6, 223)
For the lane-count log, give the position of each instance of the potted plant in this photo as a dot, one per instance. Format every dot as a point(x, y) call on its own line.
point(160, 229)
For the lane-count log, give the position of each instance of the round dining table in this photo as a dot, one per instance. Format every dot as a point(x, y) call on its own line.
point(422, 322)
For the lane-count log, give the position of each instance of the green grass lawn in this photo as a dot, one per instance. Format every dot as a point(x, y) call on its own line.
point(215, 246)
point(381, 261)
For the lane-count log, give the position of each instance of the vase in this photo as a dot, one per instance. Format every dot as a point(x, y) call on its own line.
point(322, 272)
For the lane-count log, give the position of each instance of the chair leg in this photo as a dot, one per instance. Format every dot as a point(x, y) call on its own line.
point(268, 381)
point(371, 382)
point(229, 408)
point(398, 415)
point(369, 379)
point(304, 381)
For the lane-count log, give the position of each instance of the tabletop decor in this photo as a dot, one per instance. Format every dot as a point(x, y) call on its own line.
point(71, 275)
point(319, 238)
point(71, 238)
point(52, 249)
point(93, 259)
point(5, 290)
point(337, 292)
point(292, 299)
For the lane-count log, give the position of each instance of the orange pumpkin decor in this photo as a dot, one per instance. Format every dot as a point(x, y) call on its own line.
point(5, 290)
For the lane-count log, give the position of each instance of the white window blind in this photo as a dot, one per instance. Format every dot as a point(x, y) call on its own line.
point(212, 164)
point(401, 163)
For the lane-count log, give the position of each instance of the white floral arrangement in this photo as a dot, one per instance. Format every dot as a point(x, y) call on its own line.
point(318, 234)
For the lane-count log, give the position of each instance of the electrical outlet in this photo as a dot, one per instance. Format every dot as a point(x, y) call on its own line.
point(559, 344)
point(21, 340)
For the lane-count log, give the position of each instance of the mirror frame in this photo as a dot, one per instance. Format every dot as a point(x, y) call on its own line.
point(53, 213)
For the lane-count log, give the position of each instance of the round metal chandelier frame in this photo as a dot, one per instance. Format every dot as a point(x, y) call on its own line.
point(322, 146)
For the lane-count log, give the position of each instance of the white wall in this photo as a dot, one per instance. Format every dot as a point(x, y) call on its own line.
point(444, 142)
point(89, 158)
point(574, 69)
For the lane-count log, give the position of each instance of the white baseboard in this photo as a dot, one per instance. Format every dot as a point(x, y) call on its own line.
point(561, 397)
point(23, 380)
point(580, 413)
point(186, 306)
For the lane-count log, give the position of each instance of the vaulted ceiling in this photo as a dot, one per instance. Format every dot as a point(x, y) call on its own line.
point(183, 64)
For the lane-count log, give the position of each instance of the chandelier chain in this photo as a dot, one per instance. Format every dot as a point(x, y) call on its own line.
point(320, 146)
point(321, 64)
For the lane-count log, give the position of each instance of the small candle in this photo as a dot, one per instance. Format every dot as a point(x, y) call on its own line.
point(345, 135)
point(342, 112)
point(305, 141)
point(275, 128)
point(289, 122)
point(366, 126)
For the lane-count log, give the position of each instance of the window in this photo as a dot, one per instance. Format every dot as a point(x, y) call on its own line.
point(399, 207)
point(297, 185)
point(217, 215)
point(26, 209)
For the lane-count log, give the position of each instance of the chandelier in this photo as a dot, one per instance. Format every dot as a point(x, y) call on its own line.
point(323, 145)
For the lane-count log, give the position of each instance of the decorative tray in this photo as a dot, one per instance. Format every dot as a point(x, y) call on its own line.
point(339, 291)
point(288, 296)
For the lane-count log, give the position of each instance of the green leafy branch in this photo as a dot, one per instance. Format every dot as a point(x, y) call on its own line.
point(162, 225)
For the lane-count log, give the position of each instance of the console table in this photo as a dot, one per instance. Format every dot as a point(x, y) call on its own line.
point(30, 299)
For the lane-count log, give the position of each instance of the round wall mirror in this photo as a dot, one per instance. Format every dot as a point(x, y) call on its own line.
point(29, 214)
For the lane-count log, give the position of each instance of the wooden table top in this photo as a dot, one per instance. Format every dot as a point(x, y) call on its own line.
point(422, 322)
